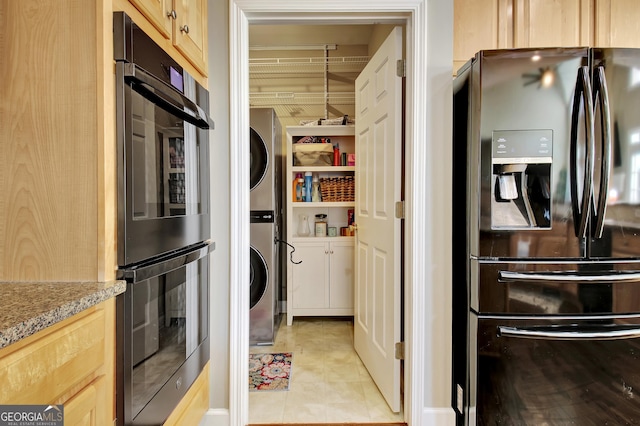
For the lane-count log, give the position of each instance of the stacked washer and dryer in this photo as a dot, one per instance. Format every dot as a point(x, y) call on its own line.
point(266, 224)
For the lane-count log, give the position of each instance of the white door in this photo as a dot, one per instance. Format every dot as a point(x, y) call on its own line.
point(378, 184)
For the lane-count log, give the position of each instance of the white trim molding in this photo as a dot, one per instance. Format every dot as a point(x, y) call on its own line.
point(428, 135)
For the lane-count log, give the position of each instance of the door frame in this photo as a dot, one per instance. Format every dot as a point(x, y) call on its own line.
point(427, 381)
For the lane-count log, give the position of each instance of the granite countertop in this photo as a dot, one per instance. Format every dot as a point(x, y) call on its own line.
point(29, 307)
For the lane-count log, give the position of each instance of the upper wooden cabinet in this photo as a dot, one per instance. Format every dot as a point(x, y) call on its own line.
point(480, 25)
point(190, 31)
point(184, 22)
point(617, 23)
point(497, 24)
point(552, 23)
point(158, 12)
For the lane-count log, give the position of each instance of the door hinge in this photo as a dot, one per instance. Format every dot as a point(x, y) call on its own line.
point(400, 350)
point(401, 68)
point(400, 209)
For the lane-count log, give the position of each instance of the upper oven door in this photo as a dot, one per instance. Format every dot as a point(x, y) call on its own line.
point(163, 163)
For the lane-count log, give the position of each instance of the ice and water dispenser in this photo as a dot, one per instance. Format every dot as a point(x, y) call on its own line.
point(521, 175)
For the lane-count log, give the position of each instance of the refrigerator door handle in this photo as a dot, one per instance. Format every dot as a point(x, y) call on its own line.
point(581, 210)
point(608, 278)
point(591, 332)
point(601, 95)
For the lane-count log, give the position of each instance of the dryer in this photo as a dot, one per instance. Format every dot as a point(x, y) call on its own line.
point(266, 160)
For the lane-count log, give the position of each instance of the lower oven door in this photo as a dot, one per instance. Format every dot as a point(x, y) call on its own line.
point(555, 371)
point(164, 327)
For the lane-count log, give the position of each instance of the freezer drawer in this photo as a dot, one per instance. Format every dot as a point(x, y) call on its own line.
point(567, 372)
point(582, 288)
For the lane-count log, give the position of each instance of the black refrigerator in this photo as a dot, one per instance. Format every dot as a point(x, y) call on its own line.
point(546, 252)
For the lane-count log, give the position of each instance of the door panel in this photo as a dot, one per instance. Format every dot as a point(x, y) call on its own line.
point(531, 214)
point(378, 183)
point(548, 288)
point(190, 32)
point(620, 238)
point(560, 381)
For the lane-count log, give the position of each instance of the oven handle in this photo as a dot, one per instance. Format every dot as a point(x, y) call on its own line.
point(564, 333)
point(164, 265)
point(622, 276)
point(177, 103)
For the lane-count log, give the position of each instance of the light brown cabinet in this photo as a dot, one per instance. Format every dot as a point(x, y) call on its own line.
point(184, 22)
point(617, 23)
point(70, 363)
point(552, 23)
point(480, 25)
point(497, 24)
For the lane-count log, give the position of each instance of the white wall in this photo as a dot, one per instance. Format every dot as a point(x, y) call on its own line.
point(219, 96)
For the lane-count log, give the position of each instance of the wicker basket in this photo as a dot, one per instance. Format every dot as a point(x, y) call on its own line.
point(337, 189)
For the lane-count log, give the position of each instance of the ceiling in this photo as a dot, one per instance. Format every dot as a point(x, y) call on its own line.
point(273, 36)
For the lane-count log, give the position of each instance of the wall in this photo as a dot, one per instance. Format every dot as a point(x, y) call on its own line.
point(219, 96)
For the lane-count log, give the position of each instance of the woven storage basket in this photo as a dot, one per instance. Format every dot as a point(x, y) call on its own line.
point(336, 189)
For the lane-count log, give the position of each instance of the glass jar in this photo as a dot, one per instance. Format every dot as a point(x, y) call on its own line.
point(321, 225)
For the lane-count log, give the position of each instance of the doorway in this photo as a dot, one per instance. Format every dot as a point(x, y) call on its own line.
point(426, 369)
point(306, 73)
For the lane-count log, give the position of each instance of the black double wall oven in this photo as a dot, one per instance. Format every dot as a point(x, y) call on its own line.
point(163, 227)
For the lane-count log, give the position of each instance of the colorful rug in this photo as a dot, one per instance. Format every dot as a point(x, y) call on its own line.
point(269, 371)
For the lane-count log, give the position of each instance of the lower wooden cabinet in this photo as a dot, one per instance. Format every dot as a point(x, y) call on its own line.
point(87, 407)
point(69, 363)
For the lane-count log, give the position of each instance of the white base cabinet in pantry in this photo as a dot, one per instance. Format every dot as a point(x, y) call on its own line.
point(322, 284)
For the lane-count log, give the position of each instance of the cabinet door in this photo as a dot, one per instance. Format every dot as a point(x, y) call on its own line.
point(87, 407)
point(617, 23)
point(565, 23)
point(341, 275)
point(479, 25)
point(310, 278)
point(157, 12)
point(190, 31)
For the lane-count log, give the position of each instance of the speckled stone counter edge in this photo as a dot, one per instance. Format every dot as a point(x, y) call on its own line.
point(29, 307)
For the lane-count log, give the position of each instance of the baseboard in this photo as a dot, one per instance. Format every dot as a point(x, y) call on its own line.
point(438, 417)
point(215, 417)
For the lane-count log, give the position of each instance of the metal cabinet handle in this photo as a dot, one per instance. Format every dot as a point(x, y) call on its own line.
point(185, 29)
point(172, 14)
point(570, 333)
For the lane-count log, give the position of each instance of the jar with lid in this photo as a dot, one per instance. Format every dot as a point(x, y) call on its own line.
point(321, 225)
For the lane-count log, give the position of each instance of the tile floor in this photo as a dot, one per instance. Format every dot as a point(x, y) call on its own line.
point(329, 383)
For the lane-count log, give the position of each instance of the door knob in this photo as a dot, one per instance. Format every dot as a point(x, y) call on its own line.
point(185, 29)
point(172, 14)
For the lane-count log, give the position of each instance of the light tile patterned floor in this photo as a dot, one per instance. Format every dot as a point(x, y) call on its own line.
point(329, 383)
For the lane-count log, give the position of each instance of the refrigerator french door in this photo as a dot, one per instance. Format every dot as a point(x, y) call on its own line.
point(546, 196)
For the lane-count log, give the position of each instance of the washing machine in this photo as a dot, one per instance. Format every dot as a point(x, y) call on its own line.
point(266, 225)
point(264, 276)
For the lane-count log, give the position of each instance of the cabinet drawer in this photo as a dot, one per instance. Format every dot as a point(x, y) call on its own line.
point(49, 368)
